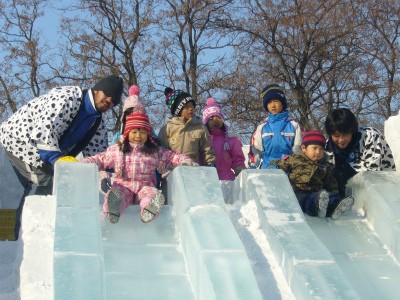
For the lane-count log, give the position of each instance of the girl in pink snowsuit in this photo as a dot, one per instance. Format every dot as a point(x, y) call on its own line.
point(134, 161)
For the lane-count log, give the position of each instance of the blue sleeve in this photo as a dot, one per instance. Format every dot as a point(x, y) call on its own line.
point(49, 156)
point(116, 137)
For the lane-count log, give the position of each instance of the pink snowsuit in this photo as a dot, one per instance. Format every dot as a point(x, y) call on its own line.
point(134, 172)
point(227, 160)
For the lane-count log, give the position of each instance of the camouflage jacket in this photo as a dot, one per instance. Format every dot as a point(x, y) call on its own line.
point(307, 175)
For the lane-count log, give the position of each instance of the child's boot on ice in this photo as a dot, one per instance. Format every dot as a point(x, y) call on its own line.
point(153, 209)
point(113, 202)
point(344, 205)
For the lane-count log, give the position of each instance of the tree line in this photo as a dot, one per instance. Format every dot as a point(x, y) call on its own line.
point(325, 54)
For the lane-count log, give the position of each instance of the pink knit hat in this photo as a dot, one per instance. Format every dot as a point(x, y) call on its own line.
point(133, 100)
point(212, 109)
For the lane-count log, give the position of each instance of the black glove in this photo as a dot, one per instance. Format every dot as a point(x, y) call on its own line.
point(105, 185)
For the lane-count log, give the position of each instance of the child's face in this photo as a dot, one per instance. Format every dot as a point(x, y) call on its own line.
point(275, 106)
point(187, 111)
point(342, 140)
point(138, 136)
point(215, 122)
point(313, 152)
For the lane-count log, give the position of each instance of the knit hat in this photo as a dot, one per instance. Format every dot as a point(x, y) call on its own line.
point(133, 99)
point(211, 109)
point(273, 91)
point(314, 137)
point(112, 86)
point(138, 119)
point(176, 100)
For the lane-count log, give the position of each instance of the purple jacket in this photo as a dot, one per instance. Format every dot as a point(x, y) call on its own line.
point(227, 162)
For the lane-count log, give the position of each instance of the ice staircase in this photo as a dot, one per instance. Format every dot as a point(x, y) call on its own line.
point(192, 250)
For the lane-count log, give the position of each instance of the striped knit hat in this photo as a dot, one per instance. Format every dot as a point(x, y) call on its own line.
point(138, 119)
point(176, 100)
point(314, 137)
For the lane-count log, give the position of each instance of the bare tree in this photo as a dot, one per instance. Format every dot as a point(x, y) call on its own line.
point(192, 51)
point(23, 54)
point(110, 37)
point(381, 50)
point(300, 45)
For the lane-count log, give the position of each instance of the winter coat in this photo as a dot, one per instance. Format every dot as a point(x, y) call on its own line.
point(191, 138)
point(368, 151)
point(278, 136)
point(227, 161)
point(42, 122)
point(307, 175)
point(135, 169)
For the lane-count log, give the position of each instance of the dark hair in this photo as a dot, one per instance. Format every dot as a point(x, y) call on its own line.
point(148, 147)
point(223, 127)
point(341, 120)
point(127, 112)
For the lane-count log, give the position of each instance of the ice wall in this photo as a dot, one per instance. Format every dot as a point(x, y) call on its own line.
point(78, 251)
point(217, 261)
point(377, 194)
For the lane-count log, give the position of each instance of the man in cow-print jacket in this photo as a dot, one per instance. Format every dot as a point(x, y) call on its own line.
point(57, 126)
point(352, 149)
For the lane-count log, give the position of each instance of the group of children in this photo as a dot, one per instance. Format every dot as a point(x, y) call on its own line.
point(188, 140)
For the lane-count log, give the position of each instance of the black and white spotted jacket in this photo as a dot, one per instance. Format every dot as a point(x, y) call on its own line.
point(41, 122)
point(372, 154)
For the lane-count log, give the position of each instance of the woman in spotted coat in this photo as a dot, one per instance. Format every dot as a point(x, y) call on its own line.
point(56, 127)
point(352, 149)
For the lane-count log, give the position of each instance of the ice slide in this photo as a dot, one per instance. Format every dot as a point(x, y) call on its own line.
point(192, 251)
point(355, 257)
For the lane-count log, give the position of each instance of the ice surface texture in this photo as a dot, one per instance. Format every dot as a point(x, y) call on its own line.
point(191, 251)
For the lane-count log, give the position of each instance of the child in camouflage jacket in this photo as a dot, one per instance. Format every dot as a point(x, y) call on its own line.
point(311, 177)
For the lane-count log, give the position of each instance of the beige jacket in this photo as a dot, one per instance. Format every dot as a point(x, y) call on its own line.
point(191, 138)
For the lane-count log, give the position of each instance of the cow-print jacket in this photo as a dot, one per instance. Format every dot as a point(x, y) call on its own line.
point(42, 121)
point(372, 153)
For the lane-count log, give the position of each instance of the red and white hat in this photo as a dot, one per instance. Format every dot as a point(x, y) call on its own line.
point(314, 137)
point(138, 119)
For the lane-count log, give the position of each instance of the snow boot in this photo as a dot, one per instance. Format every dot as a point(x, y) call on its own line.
point(114, 201)
point(153, 209)
point(323, 201)
point(344, 205)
